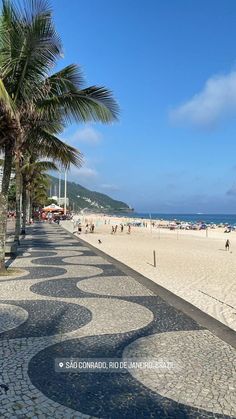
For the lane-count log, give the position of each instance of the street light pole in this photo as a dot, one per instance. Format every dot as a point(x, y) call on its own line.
point(59, 189)
point(65, 191)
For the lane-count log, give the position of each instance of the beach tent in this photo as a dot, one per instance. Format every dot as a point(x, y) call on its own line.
point(52, 208)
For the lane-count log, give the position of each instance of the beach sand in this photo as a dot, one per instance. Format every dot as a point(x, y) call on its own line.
point(190, 264)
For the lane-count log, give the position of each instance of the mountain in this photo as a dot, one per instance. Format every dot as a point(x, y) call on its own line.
point(82, 198)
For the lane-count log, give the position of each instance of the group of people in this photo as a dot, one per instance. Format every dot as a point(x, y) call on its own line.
point(50, 217)
point(114, 229)
point(88, 228)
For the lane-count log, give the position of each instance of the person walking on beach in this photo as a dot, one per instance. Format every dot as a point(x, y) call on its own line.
point(121, 228)
point(227, 244)
point(115, 230)
point(112, 230)
point(129, 229)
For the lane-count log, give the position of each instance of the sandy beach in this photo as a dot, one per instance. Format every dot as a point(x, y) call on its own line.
point(192, 264)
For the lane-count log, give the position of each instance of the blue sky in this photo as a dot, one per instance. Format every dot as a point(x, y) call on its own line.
point(172, 68)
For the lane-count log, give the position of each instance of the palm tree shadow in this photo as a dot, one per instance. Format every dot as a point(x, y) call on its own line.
point(10, 260)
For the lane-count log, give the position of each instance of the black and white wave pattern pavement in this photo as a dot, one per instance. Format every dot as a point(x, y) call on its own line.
point(71, 302)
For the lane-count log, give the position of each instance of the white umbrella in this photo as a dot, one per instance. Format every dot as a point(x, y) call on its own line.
point(52, 208)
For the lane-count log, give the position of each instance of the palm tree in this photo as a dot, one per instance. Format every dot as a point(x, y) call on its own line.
point(32, 172)
point(34, 102)
point(53, 148)
point(39, 190)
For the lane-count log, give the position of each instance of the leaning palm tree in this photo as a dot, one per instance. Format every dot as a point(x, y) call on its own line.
point(33, 101)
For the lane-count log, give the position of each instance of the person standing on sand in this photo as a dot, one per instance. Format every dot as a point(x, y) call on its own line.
point(112, 230)
point(227, 244)
point(121, 228)
point(129, 229)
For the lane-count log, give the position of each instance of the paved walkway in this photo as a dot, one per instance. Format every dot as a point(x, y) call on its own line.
point(10, 227)
point(71, 302)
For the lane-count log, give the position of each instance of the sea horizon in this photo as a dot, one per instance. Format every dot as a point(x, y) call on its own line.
point(188, 217)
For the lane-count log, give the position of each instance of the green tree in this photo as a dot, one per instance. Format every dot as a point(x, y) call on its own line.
point(34, 103)
point(33, 172)
point(39, 192)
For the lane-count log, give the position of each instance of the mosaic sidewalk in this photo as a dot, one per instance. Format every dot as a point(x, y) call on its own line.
point(72, 302)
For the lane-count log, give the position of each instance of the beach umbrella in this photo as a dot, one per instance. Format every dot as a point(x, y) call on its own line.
point(52, 208)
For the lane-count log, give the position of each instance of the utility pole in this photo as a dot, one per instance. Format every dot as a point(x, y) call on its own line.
point(65, 191)
point(59, 188)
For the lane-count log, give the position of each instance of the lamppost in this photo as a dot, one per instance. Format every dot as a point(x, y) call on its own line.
point(65, 191)
point(59, 188)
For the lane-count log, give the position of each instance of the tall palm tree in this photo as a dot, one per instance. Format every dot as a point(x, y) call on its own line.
point(34, 101)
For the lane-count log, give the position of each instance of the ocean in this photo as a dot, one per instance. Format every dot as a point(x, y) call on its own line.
point(193, 218)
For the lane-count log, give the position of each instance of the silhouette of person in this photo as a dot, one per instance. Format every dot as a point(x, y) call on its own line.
point(227, 244)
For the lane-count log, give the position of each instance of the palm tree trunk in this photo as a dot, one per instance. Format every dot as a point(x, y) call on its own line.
point(27, 205)
point(7, 168)
point(3, 226)
point(30, 205)
point(24, 204)
point(3, 202)
point(18, 197)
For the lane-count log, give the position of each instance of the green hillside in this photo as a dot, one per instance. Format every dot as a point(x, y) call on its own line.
point(84, 198)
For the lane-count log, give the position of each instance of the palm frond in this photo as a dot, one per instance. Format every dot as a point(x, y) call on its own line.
point(38, 45)
point(38, 166)
point(69, 79)
point(91, 104)
point(52, 147)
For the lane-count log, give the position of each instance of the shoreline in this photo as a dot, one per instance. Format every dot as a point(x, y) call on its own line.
point(192, 218)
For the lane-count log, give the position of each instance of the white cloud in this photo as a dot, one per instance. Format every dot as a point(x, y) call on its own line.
point(86, 135)
point(216, 101)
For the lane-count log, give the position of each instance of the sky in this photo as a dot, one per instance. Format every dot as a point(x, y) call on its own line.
point(171, 65)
